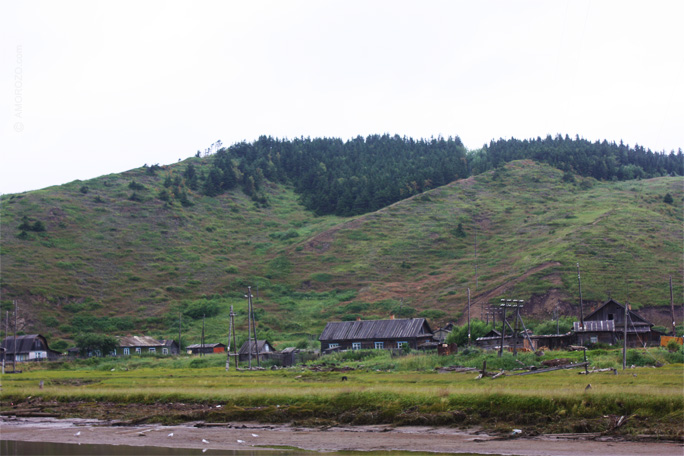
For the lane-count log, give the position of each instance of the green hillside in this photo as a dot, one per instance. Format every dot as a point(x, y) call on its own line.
point(125, 253)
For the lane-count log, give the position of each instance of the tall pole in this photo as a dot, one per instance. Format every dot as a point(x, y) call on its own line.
point(503, 330)
point(515, 329)
point(249, 326)
point(4, 352)
point(202, 341)
point(475, 254)
point(624, 344)
point(256, 341)
point(674, 332)
point(14, 358)
point(557, 320)
point(468, 316)
point(230, 333)
point(179, 331)
point(579, 281)
point(232, 319)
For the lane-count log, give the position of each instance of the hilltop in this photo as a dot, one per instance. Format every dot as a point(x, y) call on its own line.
point(114, 254)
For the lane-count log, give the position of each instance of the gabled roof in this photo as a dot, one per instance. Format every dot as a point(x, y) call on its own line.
point(218, 344)
point(635, 318)
point(168, 342)
point(376, 329)
point(139, 341)
point(24, 343)
point(261, 345)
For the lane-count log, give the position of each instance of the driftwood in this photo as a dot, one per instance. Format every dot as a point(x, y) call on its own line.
point(567, 366)
point(593, 371)
point(442, 370)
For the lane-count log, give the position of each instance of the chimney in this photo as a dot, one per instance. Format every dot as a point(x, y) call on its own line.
point(391, 317)
point(358, 318)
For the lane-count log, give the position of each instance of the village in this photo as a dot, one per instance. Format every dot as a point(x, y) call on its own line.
point(610, 324)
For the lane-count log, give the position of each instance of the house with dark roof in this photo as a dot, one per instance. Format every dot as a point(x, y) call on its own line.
point(263, 347)
point(376, 334)
point(30, 347)
point(606, 325)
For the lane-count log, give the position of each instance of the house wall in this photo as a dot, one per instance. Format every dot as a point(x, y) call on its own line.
point(370, 343)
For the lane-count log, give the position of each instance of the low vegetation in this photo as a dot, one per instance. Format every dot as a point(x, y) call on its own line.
point(380, 388)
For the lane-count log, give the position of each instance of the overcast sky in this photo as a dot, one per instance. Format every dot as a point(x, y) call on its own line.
point(90, 87)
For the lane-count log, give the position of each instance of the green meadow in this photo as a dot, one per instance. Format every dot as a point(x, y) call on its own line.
point(380, 388)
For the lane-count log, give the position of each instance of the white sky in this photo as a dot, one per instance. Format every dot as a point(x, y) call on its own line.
point(93, 87)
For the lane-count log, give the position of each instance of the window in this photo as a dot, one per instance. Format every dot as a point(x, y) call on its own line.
point(153, 350)
point(401, 344)
point(379, 345)
point(127, 351)
point(356, 345)
point(165, 351)
point(593, 339)
point(137, 350)
point(611, 317)
point(113, 352)
point(333, 345)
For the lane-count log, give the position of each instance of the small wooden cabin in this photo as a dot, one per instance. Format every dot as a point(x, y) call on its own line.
point(264, 348)
point(196, 349)
point(30, 347)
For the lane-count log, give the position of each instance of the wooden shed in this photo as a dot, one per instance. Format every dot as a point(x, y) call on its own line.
point(196, 349)
point(376, 334)
point(606, 325)
point(265, 350)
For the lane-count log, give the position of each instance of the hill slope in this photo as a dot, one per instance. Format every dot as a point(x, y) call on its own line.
point(116, 258)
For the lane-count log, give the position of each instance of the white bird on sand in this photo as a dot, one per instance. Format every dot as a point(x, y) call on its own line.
point(170, 435)
point(255, 435)
point(240, 441)
point(205, 441)
point(77, 434)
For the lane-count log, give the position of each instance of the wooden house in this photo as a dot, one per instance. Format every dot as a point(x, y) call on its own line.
point(196, 349)
point(492, 340)
point(30, 347)
point(138, 345)
point(606, 325)
point(441, 334)
point(263, 347)
point(376, 334)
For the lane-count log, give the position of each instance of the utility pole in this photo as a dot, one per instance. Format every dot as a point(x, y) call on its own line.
point(230, 333)
point(179, 331)
point(475, 253)
point(232, 320)
point(503, 331)
point(468, 316)
point(14, 358)
point(256, 341)
point(249, 326)
point(674, 332)
point(624, 345)
point(579, 281)
point(202, 341)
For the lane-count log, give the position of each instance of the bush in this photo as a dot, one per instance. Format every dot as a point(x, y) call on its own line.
point(202, 308)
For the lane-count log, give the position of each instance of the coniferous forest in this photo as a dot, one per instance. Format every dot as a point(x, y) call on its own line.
point(361, 175)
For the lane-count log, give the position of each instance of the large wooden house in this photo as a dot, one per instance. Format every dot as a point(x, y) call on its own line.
point(30, 347)
point(138, 345)
point(376, 334)
point(606, 325)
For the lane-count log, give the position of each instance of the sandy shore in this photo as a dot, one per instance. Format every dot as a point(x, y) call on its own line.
point(245, 436)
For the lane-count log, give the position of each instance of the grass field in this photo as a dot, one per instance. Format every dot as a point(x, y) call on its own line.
point(380, 389)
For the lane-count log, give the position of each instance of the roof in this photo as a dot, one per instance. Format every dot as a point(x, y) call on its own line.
point(168, 342)
point(206, 345)
point(635, 318)
point(376, 329)
point(139, 341)
point(595, 326)
point(244, 350)
point(24, 343)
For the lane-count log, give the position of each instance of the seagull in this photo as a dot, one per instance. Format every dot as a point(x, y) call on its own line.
point(77, 434)
point(205, 441)
point(255, 435)
point(240, 441)
point(170, 435)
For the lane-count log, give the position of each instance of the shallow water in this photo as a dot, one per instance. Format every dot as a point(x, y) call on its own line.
point(19, 448)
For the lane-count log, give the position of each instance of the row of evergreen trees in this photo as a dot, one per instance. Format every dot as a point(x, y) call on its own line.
point(366, 174)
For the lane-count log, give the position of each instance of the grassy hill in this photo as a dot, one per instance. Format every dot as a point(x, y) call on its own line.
point(114, 257)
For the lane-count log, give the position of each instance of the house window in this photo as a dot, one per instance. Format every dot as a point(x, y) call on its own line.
point(356, 345)
point(333, 345)
point(401, 344)
point(593, 339)
point(379, 345)
point(113, 352)
point(153, 350)
point(165, 351)
point(127, 351)
point(137, 350)
point(611, 317)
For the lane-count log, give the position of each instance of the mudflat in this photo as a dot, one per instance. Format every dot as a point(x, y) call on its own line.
point(245, 436)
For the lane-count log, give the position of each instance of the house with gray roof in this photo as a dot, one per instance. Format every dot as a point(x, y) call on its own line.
point(376, 334)
point(30, 347)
